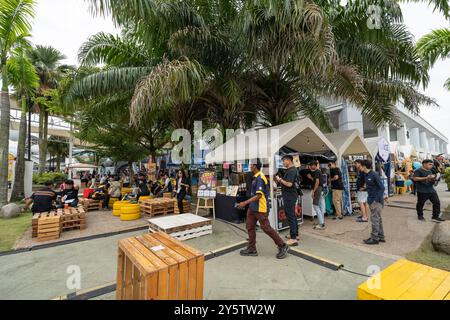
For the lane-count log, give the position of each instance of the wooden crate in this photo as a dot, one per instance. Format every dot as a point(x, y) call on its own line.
point(158, 267)
point(186, 207)
point(92, 205)
point(406, 280)
point(49, 226)
point(182, 227)
point(167, 195)
point(159, 206)
point(35, 222)
point(72, 218)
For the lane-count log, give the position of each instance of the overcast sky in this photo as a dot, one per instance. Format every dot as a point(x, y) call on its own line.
point(66, 24)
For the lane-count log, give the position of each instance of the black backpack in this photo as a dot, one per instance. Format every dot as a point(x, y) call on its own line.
point(298, 183)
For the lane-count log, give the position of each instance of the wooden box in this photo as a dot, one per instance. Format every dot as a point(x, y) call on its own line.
point(159, 206)
point(72, 218)
point(186, 207)
point(49, 226)
point(167, 195)
point(158, 267)
point(406, 280)
point(92, 205)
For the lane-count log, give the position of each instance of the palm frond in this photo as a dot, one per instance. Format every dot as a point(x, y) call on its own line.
point(435, 45)
point(103, 48)
point(169, 82)
point(15, 19)
point(106, 82)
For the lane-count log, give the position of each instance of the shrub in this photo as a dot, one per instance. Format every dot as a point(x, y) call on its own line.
point(56, 177)
point(447, 177)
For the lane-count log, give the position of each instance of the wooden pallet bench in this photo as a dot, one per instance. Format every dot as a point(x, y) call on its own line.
point(72, 218)
point(49, 226)
point(159, 206)
point(182, 227)
point(406, 280)
point(92, 205)
point(158, 267)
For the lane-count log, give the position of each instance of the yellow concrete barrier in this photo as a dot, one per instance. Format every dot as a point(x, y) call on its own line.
point(406, 280)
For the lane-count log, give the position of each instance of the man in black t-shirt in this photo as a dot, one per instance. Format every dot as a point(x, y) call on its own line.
point(337, 186)
point(425, 179)
point(316, 193)
point(42, 199)
point(69, 194)
point(143, 187)
point(290, 197)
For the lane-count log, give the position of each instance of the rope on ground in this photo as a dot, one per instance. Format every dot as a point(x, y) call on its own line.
point(354, 272)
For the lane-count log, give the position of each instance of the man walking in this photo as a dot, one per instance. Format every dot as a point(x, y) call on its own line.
point(375, 199)
point(258, 212)
point(336, 186)
point(290, 197)
point(425, 179)
point(316, 193)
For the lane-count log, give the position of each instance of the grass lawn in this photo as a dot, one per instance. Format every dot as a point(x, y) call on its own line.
point(12, 229)
point(428, 256)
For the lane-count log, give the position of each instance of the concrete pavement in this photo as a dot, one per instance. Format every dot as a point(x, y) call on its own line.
point(41, 274)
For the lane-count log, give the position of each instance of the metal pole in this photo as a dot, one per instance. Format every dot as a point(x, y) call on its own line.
point(70, 144)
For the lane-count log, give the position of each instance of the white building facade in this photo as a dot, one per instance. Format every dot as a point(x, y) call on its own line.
point(413, 129)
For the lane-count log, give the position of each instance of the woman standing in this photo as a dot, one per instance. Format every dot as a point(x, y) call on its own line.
point(181, 187)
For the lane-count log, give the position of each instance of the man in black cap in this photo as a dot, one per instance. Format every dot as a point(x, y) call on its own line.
point(258, 212)
point(42, 199)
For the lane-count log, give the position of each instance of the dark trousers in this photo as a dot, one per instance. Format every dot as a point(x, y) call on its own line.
point(180, 198)
point(434, 198)
point(289, 208)
point(252, 219)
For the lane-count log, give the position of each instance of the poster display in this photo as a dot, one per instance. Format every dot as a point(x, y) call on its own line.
point(282, 221)
point(151, 171)
point(207, 184)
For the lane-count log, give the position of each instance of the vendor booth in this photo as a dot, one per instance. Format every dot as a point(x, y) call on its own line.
point(297, 138)
point(350, 146)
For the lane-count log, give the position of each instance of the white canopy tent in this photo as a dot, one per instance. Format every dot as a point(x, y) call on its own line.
point(349, 143)
point(301, 135)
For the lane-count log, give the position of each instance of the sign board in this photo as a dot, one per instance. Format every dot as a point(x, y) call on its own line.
point(151, 171)
point(297, 162)
point(282, 220)
point(207, 184)
point(384, 149)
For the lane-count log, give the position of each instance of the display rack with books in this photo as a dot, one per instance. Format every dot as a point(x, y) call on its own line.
point(352, 178)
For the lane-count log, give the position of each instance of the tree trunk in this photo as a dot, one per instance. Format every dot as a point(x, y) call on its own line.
point(4, 135)
point(18, 190)
point(130, 169)
point(41, 142)
point(58, 162)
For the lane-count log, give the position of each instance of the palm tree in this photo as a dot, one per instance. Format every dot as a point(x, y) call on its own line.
point(24, 80)
point(15, 16)
point(434, 46)
point(60, 148)
point(47, 61)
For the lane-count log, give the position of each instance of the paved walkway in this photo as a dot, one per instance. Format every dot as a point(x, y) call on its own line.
point(41, 274)
point(404, 233)
point(98, 222)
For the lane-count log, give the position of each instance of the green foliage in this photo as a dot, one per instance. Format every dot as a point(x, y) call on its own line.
point(447, 177)
point(56, 177)
point(13, 229)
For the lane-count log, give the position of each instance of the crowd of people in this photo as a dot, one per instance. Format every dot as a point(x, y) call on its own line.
point(371, 197)
point(106, 186)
